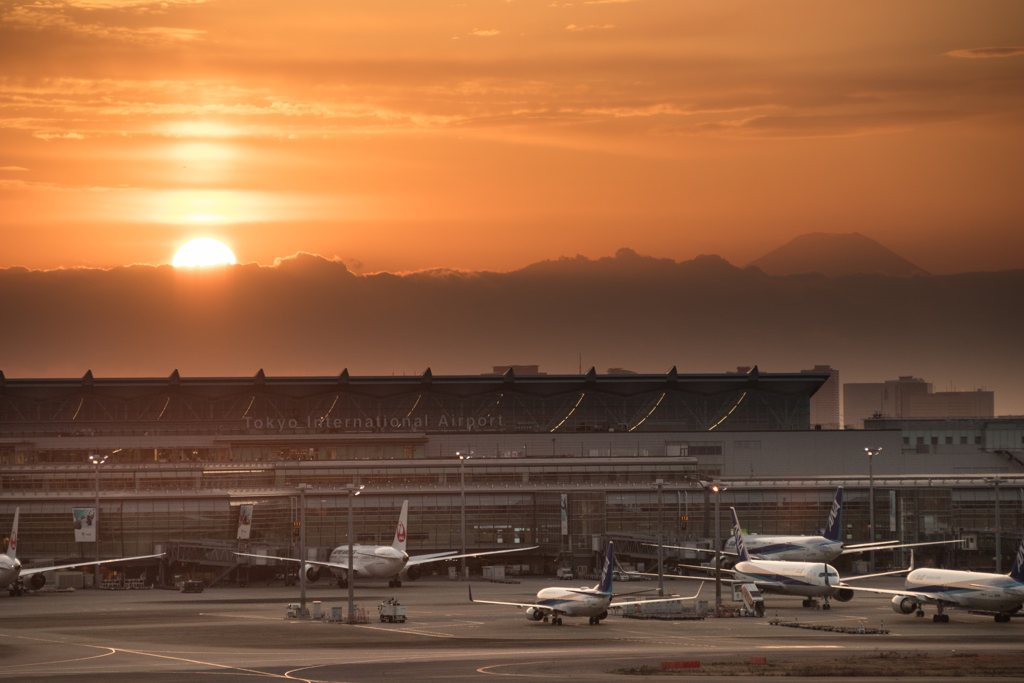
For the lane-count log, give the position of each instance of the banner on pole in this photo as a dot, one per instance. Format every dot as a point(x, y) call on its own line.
point(244, 521)
point(565, 514)
point(85, 524)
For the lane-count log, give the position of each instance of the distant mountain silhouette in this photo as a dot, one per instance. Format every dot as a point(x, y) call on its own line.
point(311, 315)
point(835, 255)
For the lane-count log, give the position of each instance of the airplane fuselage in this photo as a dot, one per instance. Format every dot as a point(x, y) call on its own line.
point(9, 571)
point(369, 561)
point(581, 602)
point(789, 548)
point(969, 590)
point(805, 579)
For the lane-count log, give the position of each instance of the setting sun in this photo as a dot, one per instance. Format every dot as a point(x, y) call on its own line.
point(203, 251)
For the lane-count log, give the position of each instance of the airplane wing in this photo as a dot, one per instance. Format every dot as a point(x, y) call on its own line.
point(696, 550)
point(38, 570)
point(868, 547)
point(874, 576)
point(440, 557)
point(315, 563)
point(524, 605)
point(694, 566)
point(928, 598)
point(647, 602)
point(695, 578)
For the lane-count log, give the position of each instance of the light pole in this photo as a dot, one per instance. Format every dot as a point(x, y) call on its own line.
point(97, 461)
point(661, 558)
point(302, 549)
point(871, 503)
point(718, 547)
point(999, 547)
point(463, 457)
point(352, 490)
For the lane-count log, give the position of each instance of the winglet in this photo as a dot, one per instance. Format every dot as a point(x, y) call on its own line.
point(737, 534)
point(834, 528)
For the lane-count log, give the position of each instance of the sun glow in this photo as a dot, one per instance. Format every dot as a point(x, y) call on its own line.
point(203, 251)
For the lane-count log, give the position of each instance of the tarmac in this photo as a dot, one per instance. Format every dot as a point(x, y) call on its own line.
point(231, 635)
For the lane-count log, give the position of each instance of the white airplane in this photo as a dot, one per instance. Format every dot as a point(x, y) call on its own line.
point(826, 548)
point(12, 574)
point(997, 595)
point(379, 561)
point(811, 580)
point(555, 603)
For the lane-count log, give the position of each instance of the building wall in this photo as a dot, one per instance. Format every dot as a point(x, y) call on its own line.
point(825, 407)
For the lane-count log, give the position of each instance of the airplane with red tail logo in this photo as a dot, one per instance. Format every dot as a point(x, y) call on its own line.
point(390, 562)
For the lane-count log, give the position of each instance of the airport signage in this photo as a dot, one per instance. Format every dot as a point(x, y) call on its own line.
point(446, 423)
point(85, 524)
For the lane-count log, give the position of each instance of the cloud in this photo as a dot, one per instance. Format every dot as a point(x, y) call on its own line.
point(987, 52)
point(484, 33)
point(58, 136)
point(574, 27)
point(12, 168)
point(53, 17)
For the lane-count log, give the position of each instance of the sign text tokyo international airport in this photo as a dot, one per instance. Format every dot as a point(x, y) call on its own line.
point(445, 423)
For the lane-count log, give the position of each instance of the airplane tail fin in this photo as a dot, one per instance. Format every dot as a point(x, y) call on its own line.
point(401, 529)
point(834, 529)
point(737, 535)
point(1016, 573)
point(606, 572)
point(12, 547)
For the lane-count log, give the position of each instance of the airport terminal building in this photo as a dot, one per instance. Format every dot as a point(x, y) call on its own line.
point(622, 455)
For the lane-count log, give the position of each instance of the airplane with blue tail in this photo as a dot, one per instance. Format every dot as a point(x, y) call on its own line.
point(555, 603)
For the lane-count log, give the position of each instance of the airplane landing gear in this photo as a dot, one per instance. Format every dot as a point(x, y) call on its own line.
point(1002, 618)
point(811, 603)
point(545, 619)
point(342, 583)
point(557, 621)
point(394, 584)
point(826, 605)
point(940, 618)
point(920, 613)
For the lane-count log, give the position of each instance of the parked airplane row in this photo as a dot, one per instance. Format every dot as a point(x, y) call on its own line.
point(997, 595)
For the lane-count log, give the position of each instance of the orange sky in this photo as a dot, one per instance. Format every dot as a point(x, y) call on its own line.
point(489, 134)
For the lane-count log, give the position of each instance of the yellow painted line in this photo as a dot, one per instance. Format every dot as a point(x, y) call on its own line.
point(801, 647)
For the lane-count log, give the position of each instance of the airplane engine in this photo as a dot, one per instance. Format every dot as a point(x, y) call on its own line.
point(312, 573)
point(534, 614)
point(411, 573)
point(843, 595)
point(37, 581)
point(903, 605)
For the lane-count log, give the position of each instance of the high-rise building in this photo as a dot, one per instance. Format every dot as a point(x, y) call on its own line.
point(825, 402)
point(911, 397)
